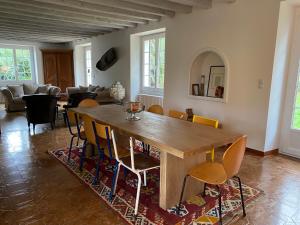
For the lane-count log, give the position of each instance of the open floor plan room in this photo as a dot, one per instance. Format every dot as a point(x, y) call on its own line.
point(149, 112)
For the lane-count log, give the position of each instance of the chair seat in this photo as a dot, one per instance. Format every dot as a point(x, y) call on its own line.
point(209, 172)
point(141, 161)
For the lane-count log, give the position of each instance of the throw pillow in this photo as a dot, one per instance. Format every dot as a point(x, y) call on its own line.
point(99, 89)
point(83, 89)
point(93, 88)
point(16, 90)
point(43, 89)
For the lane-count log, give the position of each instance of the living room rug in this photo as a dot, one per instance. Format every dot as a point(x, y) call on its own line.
point(196, 211)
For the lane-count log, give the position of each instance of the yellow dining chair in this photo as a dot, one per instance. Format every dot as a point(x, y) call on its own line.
point(207, 122)
point(88, 102)
point(177, 114)
point(103, 141)
point(214, 173)
point(157, 109)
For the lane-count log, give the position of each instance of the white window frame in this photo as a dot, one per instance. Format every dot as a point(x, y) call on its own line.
point(32, 63)
point(86, 48)
point(150, 90)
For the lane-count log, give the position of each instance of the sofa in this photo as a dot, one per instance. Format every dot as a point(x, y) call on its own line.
point(103, 94)
point(13, 94)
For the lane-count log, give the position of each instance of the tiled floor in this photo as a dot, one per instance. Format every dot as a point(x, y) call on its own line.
point(36, 189)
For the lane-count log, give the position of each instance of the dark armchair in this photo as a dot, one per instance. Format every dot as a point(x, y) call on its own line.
point(40, 109)
point(75, 98)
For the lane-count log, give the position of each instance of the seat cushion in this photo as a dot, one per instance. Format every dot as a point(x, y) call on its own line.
point(43, 89)
point(141, 161)
point(18, 100)
point(209, 172)
point(16, 90)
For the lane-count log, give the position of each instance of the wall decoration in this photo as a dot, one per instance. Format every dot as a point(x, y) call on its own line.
point(216, 82)
point(107, 60)
point(196, 89)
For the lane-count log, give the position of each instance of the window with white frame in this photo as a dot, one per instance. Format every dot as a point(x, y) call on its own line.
point(16, 63)
point(153, 64)
point(88, 65)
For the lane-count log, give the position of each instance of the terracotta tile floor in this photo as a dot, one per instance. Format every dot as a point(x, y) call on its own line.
point(36, 189)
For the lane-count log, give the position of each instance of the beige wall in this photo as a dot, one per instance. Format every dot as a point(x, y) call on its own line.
point(245, 32)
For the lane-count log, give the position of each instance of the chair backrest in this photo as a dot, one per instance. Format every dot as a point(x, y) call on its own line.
point(124, 141)
point(40, 108)
point(157, 109)
point(75, 98)
point(88, 128)
point(88, 103)
point(178, 115)
point(233, 157)
point(206, 121)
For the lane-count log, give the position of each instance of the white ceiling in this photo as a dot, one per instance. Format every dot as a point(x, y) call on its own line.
point(69, 20)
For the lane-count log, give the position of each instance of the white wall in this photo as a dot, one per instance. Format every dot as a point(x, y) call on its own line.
point(280, 75)
point(245, 32)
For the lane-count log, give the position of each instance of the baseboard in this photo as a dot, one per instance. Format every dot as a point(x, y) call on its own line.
point(260, 153)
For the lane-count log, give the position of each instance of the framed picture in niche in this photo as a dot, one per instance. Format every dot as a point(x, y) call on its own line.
point(216, 82)
point(196, 89)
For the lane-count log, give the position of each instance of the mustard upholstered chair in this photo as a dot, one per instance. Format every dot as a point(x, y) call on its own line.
point(88, 102)
point(215, 173)
point(177, 114)
point(157, 109)
point(207, 122)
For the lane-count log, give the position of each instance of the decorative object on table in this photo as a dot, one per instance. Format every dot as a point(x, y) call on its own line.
point(132, 108)
point(117, 91)
point(198, 209)
point(107, 60)
point(196, 89)
point(216, 79)
point(202, 82)
point(190, 114)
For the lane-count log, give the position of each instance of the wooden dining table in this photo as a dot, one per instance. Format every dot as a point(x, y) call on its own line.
point(182, 145)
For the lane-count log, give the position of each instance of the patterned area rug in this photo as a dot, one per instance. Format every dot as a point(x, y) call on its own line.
point(197, 210)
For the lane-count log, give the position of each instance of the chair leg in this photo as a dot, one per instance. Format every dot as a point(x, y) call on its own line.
point(115, 178)
point(181, 195)
point(220, 204)
point(204, 189)
point(138, 192)
point(145, 178)
point(82, 156)
point(70, 148)
point(242, 197)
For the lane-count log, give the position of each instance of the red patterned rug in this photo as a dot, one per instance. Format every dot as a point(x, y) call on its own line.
point(197, 210)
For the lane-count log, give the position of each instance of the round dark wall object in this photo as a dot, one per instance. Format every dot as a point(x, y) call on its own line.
point(107, 60)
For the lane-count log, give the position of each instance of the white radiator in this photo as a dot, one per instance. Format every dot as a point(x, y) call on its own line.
point(149, 100)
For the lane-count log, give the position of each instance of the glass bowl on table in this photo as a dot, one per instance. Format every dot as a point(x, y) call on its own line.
point(133, 108)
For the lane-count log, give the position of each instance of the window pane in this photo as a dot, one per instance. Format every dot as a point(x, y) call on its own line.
point(146, 46)
point(23, 64)
point(296, 119)
point(162, 44)
point(152, 76)
point(161, 76)
point(146, 81)
point(146, 70)
point(7, 67)
point(146, 58)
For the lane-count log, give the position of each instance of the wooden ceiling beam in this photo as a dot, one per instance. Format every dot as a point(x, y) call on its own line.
point(8, 19)
point(5, 27)
point(37, 26)
point(203, 4)
point(163, 4)
point(33, 39)
point(79, 11)
point(30, 19)
point(102, 9)
point(127, 5)
point(48, 16)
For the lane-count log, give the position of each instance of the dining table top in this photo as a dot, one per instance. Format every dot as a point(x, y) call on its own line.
point(177, 137)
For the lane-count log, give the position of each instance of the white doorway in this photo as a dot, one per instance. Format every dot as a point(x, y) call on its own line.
point(290, 133)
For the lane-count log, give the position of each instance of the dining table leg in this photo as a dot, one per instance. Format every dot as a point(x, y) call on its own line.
point(172, 172)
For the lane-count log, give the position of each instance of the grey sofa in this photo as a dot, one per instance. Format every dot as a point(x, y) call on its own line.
point(13, 94)
point(103, 94)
